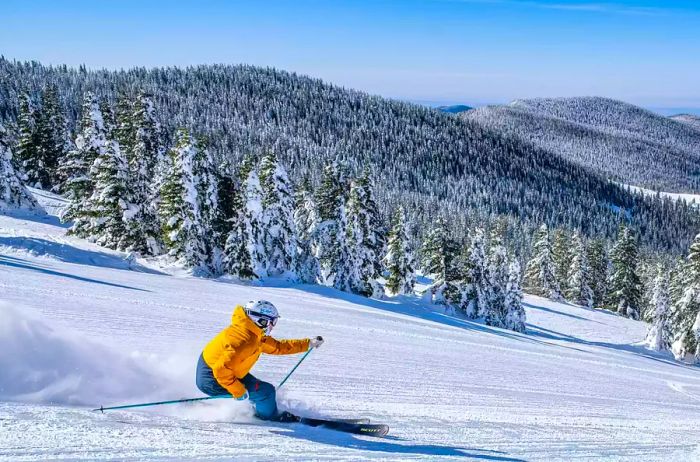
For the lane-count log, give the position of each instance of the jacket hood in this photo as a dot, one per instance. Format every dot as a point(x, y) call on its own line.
point(240, 318)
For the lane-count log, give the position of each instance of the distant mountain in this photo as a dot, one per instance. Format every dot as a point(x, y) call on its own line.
point(456, 109)
point(688, 119)
point(623, 142)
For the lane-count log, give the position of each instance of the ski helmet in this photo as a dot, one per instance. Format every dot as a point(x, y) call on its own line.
point(263, 314)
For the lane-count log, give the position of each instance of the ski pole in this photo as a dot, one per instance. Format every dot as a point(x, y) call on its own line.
point(191, 400)
point(158, 403)
point(294, 368)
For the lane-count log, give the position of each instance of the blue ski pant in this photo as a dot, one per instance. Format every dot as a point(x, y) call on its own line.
point(261, 394)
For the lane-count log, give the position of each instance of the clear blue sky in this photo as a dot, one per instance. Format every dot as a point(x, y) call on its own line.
point(472, 51)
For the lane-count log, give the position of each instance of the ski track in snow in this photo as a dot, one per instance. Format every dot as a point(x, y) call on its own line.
point(578, 386)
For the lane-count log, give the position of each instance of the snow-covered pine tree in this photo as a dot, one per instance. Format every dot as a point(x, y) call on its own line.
point(184, 231)
point(279, 232)
point(13, 194)
point(27, 156)
point(514, 310)
point(438, 255)
point(399, 258)
point(53, 139)
point(372, 228)
point(497, 278)
point(561, 256)
point(232, 205)
point(252, 204)
point(90, 143)
point(625, 285)
point(138, 133)
point(578, 286)
point(540, 278)
point(330, 200)
point(475, 284)
point(686, 311)
point(599, 268)
point(102, 214)
point(344, 273)
point(305, 222)
point(361, 240)
point(659, 337)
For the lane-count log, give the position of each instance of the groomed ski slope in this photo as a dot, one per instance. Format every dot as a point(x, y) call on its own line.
point(78, 329)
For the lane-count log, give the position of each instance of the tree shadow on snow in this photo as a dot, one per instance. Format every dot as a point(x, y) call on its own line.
point(36, 217)
point(387, 444)
point(13, 262)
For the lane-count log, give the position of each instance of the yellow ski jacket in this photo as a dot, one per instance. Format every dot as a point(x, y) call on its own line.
point(236, 349)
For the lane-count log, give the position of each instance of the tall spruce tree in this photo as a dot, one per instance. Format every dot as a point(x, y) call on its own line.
point(102, 214)
point(659, 336)
point(90, 144)
point(514, 311)
point(625, 285)
point(497, 278)
point(599, 265)
point(438, 257)
point(182, 213)
point(305, 221)
point(27, 158)
point(278, 217)
point(237, 260)
point(13, 194)
point(561, 256)
point(475, 284)
point(53, 138)
point(398, 260)
point(686, 310)
point(540, 277)
point(578, 286)
point(330, 201)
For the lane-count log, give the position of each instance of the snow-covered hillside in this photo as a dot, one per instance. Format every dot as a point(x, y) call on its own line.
point(81, 326)
point(688, 119)
point(627, 143)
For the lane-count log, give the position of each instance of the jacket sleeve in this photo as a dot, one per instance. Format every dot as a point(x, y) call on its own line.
point(225, 376)
point(273, 346)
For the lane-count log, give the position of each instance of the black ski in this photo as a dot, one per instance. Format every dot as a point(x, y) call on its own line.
point(368, 429)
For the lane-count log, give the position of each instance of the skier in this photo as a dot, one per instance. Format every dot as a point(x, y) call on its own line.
point(224, 365)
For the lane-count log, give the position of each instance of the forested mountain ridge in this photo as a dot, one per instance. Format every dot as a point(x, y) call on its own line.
point(623, 142)
point(432, 163)
point(688, 119)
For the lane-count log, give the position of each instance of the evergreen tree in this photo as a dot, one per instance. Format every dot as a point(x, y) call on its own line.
point(438, 261)
point(371, 225)
point(497, 279)
point(53, 139)
point(659, 337)
point(476, 288)
point(232, 204)
point(138, 134)
point(27, 157)
point(599, 265)
point(579, 280)
point(13, 194)
point(330, 200)
point(685, 313)
point(305, 222)
point(184, 230)
point(625, 285)
point(399, 259)
point(102, 214)
point(255, 237)
point(278, 217)
point(540, 277)
point(561, 256)
point(361, 240)
point(515, 313)
point(90, 144)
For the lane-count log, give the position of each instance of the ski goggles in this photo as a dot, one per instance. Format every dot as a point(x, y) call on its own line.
point(263, 320)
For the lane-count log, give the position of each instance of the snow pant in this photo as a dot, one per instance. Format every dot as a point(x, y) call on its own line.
point(261, 394)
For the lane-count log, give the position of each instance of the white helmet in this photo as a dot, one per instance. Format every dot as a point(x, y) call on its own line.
point(263, 314)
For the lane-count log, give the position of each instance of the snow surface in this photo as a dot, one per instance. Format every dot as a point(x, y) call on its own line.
point(688, 197)
point(79, 329)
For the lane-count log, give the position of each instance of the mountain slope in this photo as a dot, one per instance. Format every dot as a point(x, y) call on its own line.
point(688, 119)
point(430, 162)
point(576, 386)
point(624, 142)
point(455, 109)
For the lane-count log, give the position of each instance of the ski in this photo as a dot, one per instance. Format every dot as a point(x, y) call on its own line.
point(377, 430)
